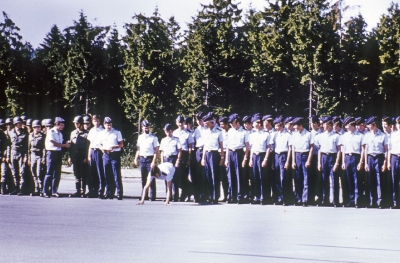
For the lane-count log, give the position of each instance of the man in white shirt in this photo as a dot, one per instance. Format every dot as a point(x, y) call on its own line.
point(112, 143)
point(54, 144)
point(147, 149)
point(97, 181)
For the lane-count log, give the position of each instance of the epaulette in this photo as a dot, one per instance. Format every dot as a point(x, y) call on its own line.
point(219, 128)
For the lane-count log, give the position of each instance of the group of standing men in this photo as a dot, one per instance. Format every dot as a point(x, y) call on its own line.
point(264, 160)
point(31, 155)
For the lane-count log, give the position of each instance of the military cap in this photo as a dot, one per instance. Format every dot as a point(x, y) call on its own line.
point(1, 122)
point(348, 120)
point(17, 119)
point(267, 118)
point(199, 115)
point(326, 119)
point(188, 120)
point(8, 121)
point(59, 120)
point(387, 119)
point(288, 119)
point(208, 117)
point(145, 123)
point(298, 120)
point(337, 119)
point(246, 119)
point(86, 119)
point(180, 119)
point(359, 120)
point(371, 120)
point(223, 119)
point(29, 122)
point(168, 127)
point(256, 117)
point(36, 123)
point(107, 120)
point(314, 119)
point(278, 120)
point(78, 119)
point(233, 117)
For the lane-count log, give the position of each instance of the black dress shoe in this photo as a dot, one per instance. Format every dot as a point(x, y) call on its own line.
point(15, 192)
point(119, 197)
point(76, 194)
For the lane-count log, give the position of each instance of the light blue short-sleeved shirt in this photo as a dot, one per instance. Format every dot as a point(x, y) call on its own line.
point(394, 143)
point(259, 141)
point(170, 146)
point(328, 142)
point(237, 139)
point(212, 138)
point(111, 138)
point(352, 142)
point(185, 138)
point(301, 142)
point(315, 134)
point(225, 135)
point(147, 143)
point(53, 135)
point(376, 142)
point(282, 140)
point(199, 135)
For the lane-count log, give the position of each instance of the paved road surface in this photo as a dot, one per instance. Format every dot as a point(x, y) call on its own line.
point(35, 229)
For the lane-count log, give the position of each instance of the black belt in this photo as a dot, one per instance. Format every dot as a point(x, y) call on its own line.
point(167, 156)
point(353, 154)
point(240, 149)
point(258, 153)
point(281, 152)
point(212, 151)
point(329, 154)
point(95, 149)
point(147, 156)
point(375, 156)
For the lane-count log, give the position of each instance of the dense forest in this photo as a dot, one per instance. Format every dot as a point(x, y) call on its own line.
point(281, 60)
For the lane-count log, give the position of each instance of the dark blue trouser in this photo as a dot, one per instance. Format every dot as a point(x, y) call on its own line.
point(260, 181)
point(373, 184)
point(238, 187)
point(200, 182)
point(183, 181)
point(112, 170)
point(53, 174)
point(223, 174)
point(301, 180)
point(283, 180)
point(353, 178)
point(328, 176)
point(97, 182)
point(395, 187)
point(212, 187)
point(195, 175)
point(314, 180)
point(145, 163)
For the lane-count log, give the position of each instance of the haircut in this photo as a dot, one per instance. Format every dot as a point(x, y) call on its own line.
point(155, 171)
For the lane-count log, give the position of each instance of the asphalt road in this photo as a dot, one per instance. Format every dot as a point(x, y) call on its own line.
point(35, 229)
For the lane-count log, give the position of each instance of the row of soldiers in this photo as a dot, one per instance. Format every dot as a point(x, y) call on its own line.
point(31, 157)
point(264, 160)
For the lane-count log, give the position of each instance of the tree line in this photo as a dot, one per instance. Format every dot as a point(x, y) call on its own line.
point(294, 57)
